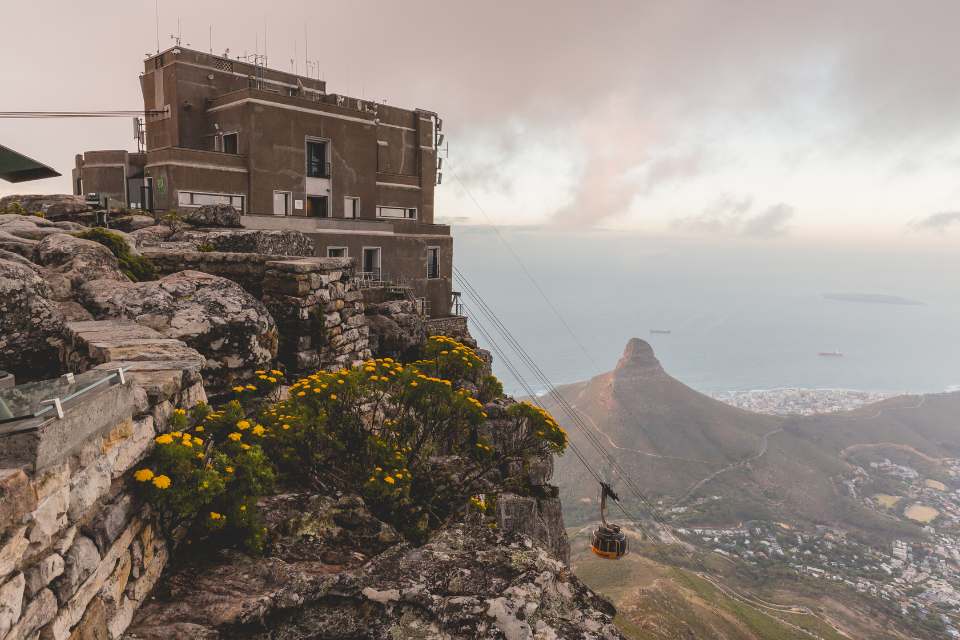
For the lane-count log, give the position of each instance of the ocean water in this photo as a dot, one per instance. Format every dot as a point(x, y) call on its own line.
point(742, 314)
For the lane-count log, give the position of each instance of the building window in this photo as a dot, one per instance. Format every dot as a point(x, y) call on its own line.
point(433, 262)
point(317, 207)
point(371, 263)
point(189, 199)
point(317, 165)
point(409, 213)
point(336, 252)
point(351, 207)
point(231, 142)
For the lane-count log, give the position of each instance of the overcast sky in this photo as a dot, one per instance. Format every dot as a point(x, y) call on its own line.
point(763, 120)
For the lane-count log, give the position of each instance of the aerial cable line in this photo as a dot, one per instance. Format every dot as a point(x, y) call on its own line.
point(491, 316)
point(501, 354)
point(504, 358)
point(563, 404)
point(578, 421)
point(523, 267)
point(109, 113)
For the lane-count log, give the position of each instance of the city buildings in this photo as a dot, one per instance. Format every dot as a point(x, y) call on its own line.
point(357, 176)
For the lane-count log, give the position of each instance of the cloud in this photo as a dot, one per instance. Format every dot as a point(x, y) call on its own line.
point(936, 221)
point(770, 223)
point(730, 216)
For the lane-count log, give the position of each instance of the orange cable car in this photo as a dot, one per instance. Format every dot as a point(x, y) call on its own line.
point(608, 540)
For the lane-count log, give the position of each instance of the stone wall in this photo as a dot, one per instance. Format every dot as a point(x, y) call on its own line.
point(246, 269)
point(319, 312)
point(451, 326)
point(317, 307)
point(78, 553)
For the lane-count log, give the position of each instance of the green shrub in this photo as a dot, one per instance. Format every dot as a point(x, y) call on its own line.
point(15, 208)
point(378, 429)
point(137, 268)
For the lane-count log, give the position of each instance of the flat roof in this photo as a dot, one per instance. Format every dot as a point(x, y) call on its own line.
point(16, 167)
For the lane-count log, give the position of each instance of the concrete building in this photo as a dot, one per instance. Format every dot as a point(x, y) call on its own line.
point(357, 176)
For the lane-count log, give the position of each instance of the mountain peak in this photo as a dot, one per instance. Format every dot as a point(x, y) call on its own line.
point(638, 357)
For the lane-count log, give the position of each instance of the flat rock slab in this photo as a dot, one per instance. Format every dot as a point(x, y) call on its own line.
point(145, 349)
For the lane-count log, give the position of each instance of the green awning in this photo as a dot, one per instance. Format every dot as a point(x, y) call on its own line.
point(16, 167)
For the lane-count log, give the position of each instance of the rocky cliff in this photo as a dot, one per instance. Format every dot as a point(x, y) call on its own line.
point(80, 552)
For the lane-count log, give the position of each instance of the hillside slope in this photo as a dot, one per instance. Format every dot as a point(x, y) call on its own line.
point(718, 464)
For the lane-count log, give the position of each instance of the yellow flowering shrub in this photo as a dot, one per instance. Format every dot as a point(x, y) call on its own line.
point(198, 468)
point(378, 429)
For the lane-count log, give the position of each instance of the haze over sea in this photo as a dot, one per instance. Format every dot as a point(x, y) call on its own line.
point(742, 314)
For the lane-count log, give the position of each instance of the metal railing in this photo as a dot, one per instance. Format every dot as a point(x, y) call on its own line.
point(49, 398)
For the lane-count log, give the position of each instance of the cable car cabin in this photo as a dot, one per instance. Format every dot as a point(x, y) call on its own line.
point(608, 540)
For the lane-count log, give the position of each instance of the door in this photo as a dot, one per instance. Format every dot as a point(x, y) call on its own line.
point(317, 206)
point(371, 262)
point(281, 203)
point(351, 207)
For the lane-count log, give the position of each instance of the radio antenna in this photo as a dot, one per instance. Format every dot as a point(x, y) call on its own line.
point(156, 16)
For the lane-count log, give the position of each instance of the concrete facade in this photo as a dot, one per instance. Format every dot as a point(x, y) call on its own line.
point(288, 154)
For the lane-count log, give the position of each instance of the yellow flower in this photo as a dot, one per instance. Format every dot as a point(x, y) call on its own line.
point(164, 439)
point(200, 456)
point(301, 394)
point(413, 384)
point(229, 469)
point(276, 372)
point(215, 516)
point(186, 442)
point(200, 429)
point(244, 446)
point(333, 396)
point(250, 387)
point(179, 412)
point(238, 389)
point(389, 480)
point(235, 436)
point(243, 507)
point(258, 430)
point(259, 372)
point(161, 482)
point(339, 381)
point(285, 427)
point(143, 475)
point(243, 424)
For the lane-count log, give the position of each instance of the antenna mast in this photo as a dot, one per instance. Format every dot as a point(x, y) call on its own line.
point(156, 16)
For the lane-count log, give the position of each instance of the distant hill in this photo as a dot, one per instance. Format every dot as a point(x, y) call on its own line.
point(721, 465)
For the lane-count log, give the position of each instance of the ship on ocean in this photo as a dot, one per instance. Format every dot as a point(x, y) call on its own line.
point(660, 331)
point(836, 353)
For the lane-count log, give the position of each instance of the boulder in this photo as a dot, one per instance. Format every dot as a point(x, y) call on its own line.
point(151, 235)
point(52, 206)
point(213, 215)
point(396, 329)
point(77, 260)
point(31, 325)
point(15, 244)
point(268, 242)
point(213, 315)
point(27, 227)
point(133, 222)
